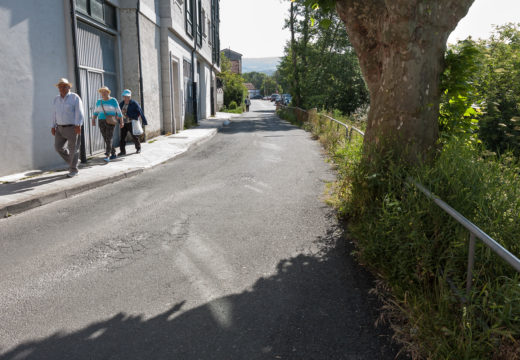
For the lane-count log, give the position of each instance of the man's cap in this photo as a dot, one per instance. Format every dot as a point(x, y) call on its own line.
point(126, 92)
point(63, 81)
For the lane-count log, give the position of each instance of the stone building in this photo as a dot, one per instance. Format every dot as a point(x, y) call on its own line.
point(165, 51)
point(235, 59)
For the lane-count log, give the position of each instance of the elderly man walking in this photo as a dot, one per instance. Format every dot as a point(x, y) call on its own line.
point(67, 119)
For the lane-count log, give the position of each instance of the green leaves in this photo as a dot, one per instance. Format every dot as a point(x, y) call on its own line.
point(320, 69)
point(325, 23)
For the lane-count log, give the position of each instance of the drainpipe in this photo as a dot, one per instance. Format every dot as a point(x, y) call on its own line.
point(82, 149)
point(194, 84)
point(137, 11)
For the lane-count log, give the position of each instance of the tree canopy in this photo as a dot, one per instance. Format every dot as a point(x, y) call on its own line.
point(320, 68)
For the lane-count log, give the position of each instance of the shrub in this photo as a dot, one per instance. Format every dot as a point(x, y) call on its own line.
point(422, 252)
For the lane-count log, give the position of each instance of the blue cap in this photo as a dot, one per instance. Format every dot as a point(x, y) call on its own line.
point(126, 92)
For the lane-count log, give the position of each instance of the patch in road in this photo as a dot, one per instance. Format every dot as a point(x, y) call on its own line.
point(116, 251)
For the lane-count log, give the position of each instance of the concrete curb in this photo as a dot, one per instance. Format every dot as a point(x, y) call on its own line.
point(49, 197)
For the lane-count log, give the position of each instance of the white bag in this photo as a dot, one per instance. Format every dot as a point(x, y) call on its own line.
point(137, 129)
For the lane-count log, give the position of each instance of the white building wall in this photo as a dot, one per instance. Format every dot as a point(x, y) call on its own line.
point(33, 56)
point(151, 68)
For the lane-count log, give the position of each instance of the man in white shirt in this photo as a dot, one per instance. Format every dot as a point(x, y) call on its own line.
point(67, 119)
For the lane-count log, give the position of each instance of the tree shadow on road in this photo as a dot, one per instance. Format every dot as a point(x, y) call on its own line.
point(316, 306)
point(257, 124)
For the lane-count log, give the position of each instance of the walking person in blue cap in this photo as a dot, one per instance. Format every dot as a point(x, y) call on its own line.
point(131, 111)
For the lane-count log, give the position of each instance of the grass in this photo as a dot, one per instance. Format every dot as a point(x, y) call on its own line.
point(420, 253)
point(238, 110)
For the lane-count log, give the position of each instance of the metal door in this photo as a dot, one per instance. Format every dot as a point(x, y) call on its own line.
point(97, 63)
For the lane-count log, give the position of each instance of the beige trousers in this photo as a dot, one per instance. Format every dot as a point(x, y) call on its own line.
point(66, 143)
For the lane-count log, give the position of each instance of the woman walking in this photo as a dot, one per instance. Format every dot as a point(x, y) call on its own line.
point(131, 111)
point(107, 111)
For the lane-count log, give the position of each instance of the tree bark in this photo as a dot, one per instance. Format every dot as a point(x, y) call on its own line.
point(295, 80)
point(401, 46)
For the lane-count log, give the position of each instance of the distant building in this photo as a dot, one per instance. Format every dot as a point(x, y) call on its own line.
point(235, 59)
point(252, 90)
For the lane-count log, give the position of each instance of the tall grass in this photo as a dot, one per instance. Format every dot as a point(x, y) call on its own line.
point(421, 252)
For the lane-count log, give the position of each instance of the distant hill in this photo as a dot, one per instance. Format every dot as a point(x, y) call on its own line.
point(262, 65)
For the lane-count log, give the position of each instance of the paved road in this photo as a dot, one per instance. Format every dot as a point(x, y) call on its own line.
point(227, 252)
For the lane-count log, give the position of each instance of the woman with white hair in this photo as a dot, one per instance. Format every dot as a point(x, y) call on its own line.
point(107, 112)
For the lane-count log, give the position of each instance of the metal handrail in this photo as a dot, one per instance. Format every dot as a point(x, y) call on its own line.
point(345, 125)
point(474, 230)
point(330, 118)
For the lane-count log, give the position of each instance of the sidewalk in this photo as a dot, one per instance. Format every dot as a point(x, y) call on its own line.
point(24, 191)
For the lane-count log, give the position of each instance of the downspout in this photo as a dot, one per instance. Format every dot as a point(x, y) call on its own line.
point(83, 148)
point(137, 11)
point(172, 111)
point(194, 84)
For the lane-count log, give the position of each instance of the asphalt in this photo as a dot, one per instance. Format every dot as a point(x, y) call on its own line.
point(228, 252)
point(33, 188)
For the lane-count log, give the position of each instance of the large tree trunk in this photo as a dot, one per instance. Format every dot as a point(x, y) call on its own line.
point(401, 45)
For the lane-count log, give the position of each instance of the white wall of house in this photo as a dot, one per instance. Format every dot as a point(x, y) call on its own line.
point(151, 63)
point(35, 54)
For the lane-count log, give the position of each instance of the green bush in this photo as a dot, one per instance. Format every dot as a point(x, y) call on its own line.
point(233, 105)
point(422, 252)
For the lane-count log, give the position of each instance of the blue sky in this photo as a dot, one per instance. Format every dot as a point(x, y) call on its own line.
point(254, 27)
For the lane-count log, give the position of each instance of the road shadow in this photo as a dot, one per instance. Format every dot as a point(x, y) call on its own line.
point(252, 124)
point(264, 111)
point(316, 306)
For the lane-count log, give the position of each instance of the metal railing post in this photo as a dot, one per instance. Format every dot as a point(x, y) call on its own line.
point(471, 262)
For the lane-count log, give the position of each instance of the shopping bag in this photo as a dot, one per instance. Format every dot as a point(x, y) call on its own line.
point(137, 128)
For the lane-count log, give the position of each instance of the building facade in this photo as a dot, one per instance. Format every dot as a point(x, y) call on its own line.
point(251, 90)
point(235, 59)
point(165, 51)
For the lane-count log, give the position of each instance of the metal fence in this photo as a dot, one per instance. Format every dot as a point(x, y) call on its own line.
point(474, 231)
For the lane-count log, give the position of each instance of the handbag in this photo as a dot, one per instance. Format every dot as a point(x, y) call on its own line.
point(137, 128)
point(110, 119)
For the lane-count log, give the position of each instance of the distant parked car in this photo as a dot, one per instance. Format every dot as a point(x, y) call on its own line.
point(275, 97)
point(287, 98)
point(257, 97)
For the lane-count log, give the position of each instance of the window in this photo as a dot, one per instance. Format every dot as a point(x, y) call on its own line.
point(199, 24)
point(189, 17)
point(82, 5)
point(214, 31)
point(204, 24)
point(110, 16)
point(98, 10)
point(209, 32)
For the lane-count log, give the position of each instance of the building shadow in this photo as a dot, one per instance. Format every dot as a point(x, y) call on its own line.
point(316, 306)
point(21, 186)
